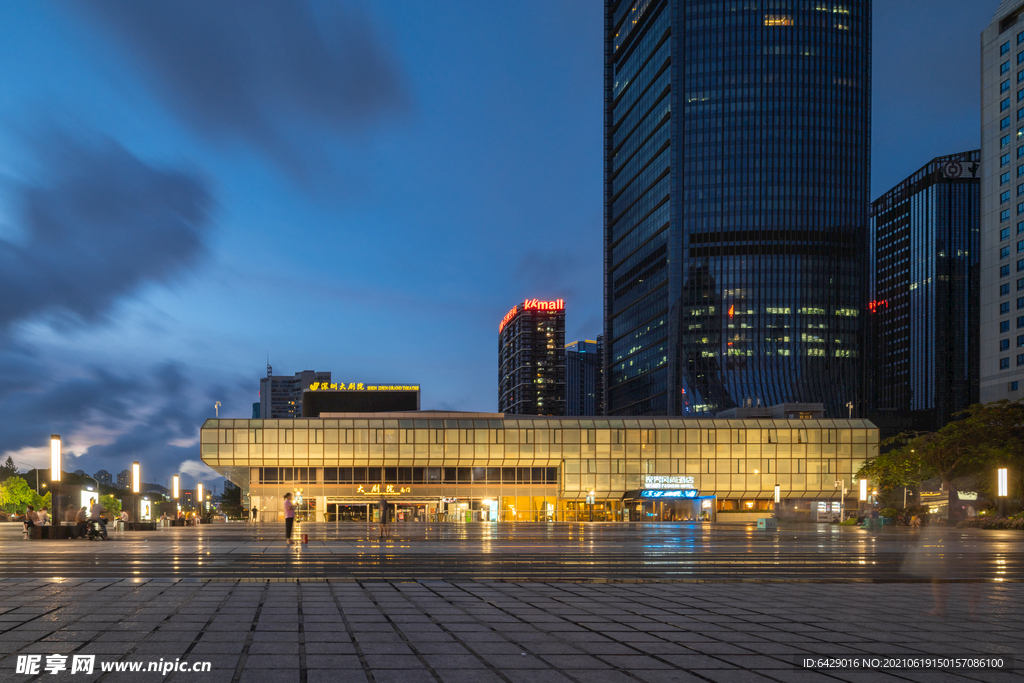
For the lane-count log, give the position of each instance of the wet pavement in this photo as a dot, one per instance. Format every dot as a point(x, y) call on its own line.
point(516, 603)
point(524, 552)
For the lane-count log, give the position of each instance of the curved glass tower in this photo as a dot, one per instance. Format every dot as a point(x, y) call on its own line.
point(736, 194)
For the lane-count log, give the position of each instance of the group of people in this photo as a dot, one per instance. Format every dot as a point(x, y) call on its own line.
point(93, 514)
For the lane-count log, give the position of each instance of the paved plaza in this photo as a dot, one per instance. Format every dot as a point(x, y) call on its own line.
point(345, 608)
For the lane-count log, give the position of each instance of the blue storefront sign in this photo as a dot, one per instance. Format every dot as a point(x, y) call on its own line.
point(685, 493)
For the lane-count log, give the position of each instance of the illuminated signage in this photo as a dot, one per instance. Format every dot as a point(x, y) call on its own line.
point(352, 386)
point(660, 481)
point(377, 489)
point(689, 493)
point(873, 306)
point(532, 305)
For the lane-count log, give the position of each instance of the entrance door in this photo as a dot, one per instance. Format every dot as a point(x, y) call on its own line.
point(341, 512)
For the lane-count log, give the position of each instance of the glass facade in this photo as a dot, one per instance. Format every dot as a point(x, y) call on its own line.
point(490, 467)
point(736, 189)
point(583, 377)
point(923, 313)
point(531, 359)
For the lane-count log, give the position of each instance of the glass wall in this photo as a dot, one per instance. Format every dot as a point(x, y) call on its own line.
point(531, 470)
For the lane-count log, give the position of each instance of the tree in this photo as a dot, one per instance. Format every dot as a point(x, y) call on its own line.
point(112, 504)
point(231, 501)
point(899, 464)
point(15, 495)
point(8, 469)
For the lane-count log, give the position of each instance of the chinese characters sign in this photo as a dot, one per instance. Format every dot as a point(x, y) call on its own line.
point(675, 481)
point(387, 489)
point(352, 386)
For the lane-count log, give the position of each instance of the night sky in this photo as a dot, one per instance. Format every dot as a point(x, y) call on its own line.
point(189, 188)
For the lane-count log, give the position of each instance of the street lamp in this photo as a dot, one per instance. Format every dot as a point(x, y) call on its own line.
point(55, 475)
point(199, 495)
point(135, 477)
point(1002, 489)
point(174, 488)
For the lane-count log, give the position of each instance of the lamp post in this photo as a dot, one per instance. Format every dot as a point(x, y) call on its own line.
point(55, 474)
point(863, 492)
point(199, 495)
point(1002, 490)
point(777, 500)
point(136, 488)
point(175, 492)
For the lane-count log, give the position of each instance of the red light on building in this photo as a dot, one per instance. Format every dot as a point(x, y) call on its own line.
point(731, 310)
point(532, 305)
point(873, 306)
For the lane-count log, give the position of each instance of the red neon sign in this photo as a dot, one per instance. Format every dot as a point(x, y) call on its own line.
point(873, 306)
point(532, 305)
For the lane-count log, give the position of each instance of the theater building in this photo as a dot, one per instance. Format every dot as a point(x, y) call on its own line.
point(489, 466)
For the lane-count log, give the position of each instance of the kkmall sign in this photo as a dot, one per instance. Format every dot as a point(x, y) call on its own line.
point(674, 481)
point(531, 305)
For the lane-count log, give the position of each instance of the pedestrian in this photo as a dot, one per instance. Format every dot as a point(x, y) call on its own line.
point(30, 521)
point(254, 514)
point(43, 517)
point(382, 506)
point(124, 520)
point(289, 517)
point(96, 516)
point(81, 522)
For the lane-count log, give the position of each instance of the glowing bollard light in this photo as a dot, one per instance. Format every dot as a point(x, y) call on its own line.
point(136, 483)
point(54, 457)
point(1003, 489)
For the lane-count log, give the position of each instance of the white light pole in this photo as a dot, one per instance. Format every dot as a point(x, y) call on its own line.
point(1003, 489)
point(216, 408)
point(55, 475)
point(849, 404)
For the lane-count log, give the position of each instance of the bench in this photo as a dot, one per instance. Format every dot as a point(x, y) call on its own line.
point(51, 533)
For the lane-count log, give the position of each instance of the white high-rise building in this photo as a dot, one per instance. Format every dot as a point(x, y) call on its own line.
point(1001, 339)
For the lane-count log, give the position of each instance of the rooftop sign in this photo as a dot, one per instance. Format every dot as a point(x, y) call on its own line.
point(352, 386)
point(532, 305)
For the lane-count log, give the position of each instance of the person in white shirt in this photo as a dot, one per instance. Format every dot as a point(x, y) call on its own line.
point(43, 517)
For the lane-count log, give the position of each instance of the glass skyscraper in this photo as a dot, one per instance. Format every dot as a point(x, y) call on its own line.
point(923, 312)
point(736, 194)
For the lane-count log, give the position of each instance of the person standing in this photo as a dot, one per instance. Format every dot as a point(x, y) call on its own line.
point(382, 506)
point(255, 512)
point(289, 517)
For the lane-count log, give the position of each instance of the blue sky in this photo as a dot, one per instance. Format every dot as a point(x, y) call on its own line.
point(187, 188)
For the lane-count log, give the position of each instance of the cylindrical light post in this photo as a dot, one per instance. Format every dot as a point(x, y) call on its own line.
point(1003, 490)
point(55, 466)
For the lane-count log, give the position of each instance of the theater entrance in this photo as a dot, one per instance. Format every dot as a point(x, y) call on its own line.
point(347, 512)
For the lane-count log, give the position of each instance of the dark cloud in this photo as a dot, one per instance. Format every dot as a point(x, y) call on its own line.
point(259, 71)
point(149, 415)
point(98, 224)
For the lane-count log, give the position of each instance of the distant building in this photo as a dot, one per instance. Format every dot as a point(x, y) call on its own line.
point(923, 310)
point(124, 479)
point(281, 395)
point(103, 477)
point(531, 359)
point(1001, 353)
point(584, 377)
point(256, 411)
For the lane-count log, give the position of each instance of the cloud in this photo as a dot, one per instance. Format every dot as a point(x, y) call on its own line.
point(110, 419)
point(259, 71)
point(97, 224)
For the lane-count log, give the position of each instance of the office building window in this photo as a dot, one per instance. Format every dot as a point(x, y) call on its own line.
point(1013, 386)
point(1004, 48)
point(1020, 359)
point(1004, 215)
point(1004, 344)
point(1005, 159)
point(1005, 178)
point(1004, 363)
point(1004, 105)
point(1004, 197)
point(1020, 227)
point(1020, 284)
point(1020, 322)
point(1004, 271)
point(1004, 289)
point(1004, 307)
point(1004, 326)
point(1020, 114)
point(1020, 340)
point(1004, 252)
point(1020, 265)
point(1004, 141)
point(1004, 234)
point(1004, 123)
point(1004, 86)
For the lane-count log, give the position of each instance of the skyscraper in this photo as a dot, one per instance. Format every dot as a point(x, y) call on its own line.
point(531, 359)
point(584, 377)
point(281, 395)
point(736, 195)
point(923, 313)
point(1001, 337)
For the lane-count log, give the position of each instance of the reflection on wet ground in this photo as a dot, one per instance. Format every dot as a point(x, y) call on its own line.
point(526, 551)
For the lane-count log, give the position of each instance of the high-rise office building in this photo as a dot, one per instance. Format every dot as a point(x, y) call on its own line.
point(124, 479)
point(736, 195)
point(531, 359)
point(103, 477)
point(281, 395)
point(583, 377)
point(1001, 338)
point(923, 313)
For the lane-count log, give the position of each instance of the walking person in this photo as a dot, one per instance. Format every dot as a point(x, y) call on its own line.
point(96, 515)
point(289, 517)
point(382, 506)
